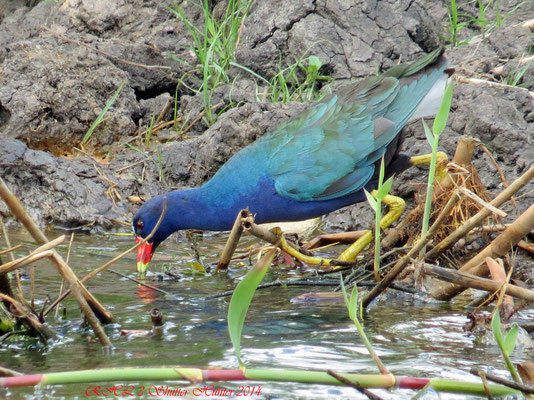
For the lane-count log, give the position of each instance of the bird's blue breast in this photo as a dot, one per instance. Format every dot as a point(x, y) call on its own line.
point(269, 206)
point(252, 188)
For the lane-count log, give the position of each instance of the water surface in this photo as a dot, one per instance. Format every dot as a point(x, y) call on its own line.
point(413, 336)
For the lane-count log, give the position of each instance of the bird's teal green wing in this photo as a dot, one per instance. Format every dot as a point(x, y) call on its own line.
point(328, 151)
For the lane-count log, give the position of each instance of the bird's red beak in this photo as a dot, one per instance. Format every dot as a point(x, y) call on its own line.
point(144, 255)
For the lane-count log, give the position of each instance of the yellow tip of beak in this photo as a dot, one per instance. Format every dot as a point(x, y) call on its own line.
point(142, 267)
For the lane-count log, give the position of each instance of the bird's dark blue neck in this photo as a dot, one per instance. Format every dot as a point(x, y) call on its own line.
point(199, 208)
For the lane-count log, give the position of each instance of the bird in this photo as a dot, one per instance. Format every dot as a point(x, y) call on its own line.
point(311, 164)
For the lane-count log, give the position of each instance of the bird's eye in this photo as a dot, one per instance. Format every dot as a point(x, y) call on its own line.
point(139, 225)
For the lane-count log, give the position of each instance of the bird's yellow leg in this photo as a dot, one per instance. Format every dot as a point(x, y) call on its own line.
point(396, 208)
point(441, 170)
point(297, 254)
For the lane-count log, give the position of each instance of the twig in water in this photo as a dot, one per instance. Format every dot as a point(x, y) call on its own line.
point(38, 253)
point(9, 372)
point(232, 242)
point(465, 280)
point(63, 280)
point(29, 319)
point(347, 382)
point(142, 283)
point(157, 317)
point(82, 295)
point(503, 381)
point(482, 376)
point(2, 252)
point(277, 282)
point(21, 262)
point(276, 237)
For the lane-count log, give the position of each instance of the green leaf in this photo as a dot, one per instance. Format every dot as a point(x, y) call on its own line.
point(496, 328)
point(314, 64)
point(511, 339)
point(344, 291)
point(353, 303)
point(382, 172)
point(371, 200)
point(428, 133)
point(443, 113)
point(383, 190)
point(6, 325)
point(196, 267)
point(240, 301)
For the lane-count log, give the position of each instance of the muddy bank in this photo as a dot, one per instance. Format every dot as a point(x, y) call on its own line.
point(61, 62)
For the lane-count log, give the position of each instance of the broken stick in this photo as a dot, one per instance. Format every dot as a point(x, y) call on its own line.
point(500, 246)
point(79, 291)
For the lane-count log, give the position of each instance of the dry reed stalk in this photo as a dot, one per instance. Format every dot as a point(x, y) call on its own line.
point(466, 280)
point(497, 273)
point(17, 275)
point(21, 262)
point(462, 156)
point(79, 291)
point(232, 242)
point(478, 218)
point(31, 322)
point(9, 266)
point(499, 247)
point(3, 252)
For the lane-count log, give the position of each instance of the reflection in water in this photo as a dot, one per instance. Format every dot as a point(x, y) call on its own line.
point(414, 337)
point(146, 293)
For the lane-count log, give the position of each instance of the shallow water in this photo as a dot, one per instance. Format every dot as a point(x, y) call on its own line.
point(413, 336)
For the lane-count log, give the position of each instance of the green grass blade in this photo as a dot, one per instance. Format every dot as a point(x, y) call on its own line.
point(242, 297)
point(443, 113)
point(371, 200)
point(453, 20)
point(344, 291)
point(428, 133)
point(511, 339)
point(100, 117)
point(353, 303)
point(234, 64)
point(384, 189)
point(496, 328)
